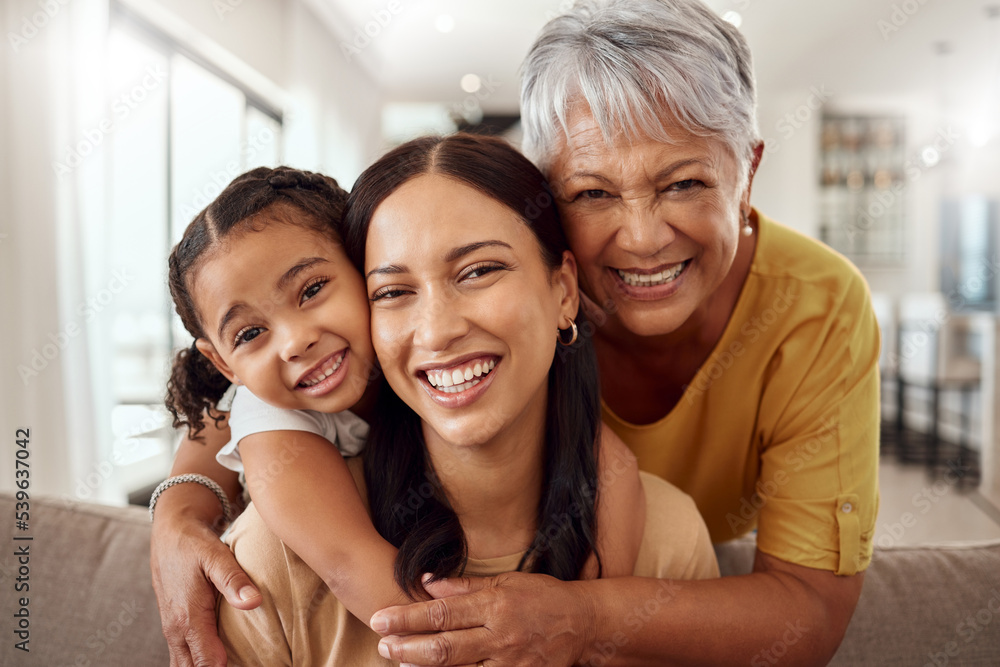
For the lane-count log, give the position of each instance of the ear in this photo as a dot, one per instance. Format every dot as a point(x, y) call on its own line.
point(569, 289)
point(758, 155)
point(210, 353)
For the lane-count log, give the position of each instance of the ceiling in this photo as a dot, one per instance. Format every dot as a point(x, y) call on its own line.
point(853, 47)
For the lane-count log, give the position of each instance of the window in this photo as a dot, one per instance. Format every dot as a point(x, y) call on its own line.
point(182, 131)
point(968, 253)
point(861, 187)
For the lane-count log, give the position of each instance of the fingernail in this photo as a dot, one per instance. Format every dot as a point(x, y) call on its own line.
point(383, 649)
point(427, 576)
point(248, 592)
point(379, 624)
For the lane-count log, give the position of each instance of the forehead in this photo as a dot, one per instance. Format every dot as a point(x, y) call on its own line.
point(248, 263)
point(584, 145)
point(263, 237)
point(431, 214)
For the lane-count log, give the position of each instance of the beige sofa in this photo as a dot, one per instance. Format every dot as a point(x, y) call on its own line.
point(91, 602)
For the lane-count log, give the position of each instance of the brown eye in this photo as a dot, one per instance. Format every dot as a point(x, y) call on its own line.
point(684, 185)
point(312, 290)
point(480, 270)
point(387, 293)
point(246, 334)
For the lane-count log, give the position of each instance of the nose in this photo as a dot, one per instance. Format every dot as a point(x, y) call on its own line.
point(643, 231)
point(439, 320)
point(296, 341)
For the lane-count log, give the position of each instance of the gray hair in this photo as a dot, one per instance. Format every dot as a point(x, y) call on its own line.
point(640, 65)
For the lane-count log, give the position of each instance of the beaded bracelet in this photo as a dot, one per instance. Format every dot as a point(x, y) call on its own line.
point(227, 509)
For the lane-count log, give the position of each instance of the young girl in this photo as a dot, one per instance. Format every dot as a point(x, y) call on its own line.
point(262, 282)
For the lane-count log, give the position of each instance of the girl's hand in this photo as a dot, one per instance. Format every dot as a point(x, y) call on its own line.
point(511, 619)
point(189, 562)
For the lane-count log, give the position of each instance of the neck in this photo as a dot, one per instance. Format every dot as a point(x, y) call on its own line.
point(495, 487)
point(365, 407)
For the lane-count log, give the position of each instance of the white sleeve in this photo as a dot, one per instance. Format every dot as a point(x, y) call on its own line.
point(251, 415)
point(351, 432)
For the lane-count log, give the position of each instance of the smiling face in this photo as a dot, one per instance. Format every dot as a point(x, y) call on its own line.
point(464, 310)
point(654, 226)
point(286, 313)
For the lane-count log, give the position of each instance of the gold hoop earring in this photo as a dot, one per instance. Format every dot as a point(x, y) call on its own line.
point(559, 334)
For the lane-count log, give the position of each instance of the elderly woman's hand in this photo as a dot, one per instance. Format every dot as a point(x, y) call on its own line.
point(189, 562)
point(511, 619)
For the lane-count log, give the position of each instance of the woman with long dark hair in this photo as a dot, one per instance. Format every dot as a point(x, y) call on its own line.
point(483, 453)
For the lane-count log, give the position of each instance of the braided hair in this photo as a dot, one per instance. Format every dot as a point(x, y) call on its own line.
point(291, 195)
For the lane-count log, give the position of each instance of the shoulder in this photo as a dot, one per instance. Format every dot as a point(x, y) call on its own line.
point(675, 544)
point(246, 400)
point(254, 413)
point(251, 415)
point(806, 294)
point(786, 255)
point(258, 550)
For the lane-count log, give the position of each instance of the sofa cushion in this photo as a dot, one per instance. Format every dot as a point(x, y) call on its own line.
point(91, 599)
point(90, 596)
point(926, 605)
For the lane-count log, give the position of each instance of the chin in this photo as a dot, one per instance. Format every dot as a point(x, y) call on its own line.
point(460, 438)
point(652, 321)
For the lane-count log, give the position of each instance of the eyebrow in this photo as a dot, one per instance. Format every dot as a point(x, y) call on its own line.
point(231, 314)
point(451, 256)
point(663, 173)
point(283, 281)
point(301, 266)
point(462, 251)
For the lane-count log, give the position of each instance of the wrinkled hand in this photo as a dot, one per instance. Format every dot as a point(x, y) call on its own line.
point(189, 562)
point(511, 619)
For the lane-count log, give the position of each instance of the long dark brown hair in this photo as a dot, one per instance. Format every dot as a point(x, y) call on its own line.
point(283, 193)
point(408, 507)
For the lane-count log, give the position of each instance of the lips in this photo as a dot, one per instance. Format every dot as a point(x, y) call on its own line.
point(461, 377)
point(458, 377)
point(321, 371)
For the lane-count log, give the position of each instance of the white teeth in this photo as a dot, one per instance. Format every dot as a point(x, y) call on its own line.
point(460, 379)
point(650, 280)
point(323, 373)
point(459, 388)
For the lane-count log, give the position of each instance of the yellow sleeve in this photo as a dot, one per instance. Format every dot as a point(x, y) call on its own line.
point(818, 483)
point(259, 636)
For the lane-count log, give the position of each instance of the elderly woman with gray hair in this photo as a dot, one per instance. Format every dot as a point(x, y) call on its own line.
point(738, 360)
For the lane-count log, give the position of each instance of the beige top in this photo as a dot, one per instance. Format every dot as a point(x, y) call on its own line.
point(300, 622)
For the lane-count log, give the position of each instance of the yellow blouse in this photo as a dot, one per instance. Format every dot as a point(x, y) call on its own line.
point(779, 427)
